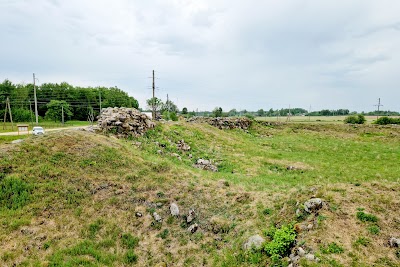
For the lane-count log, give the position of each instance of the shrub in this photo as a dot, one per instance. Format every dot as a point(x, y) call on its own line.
point(387, 120)
point(283, 239)
point(365, 217)
point(14, 193)
point(355, 119)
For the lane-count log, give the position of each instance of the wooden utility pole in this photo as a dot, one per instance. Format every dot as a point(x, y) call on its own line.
point(154, 100)
point(9, 112)
point(289, 114)
point(34, 95)
point(379, 105)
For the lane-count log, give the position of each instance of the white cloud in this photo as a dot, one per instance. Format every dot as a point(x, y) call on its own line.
point(234, 54)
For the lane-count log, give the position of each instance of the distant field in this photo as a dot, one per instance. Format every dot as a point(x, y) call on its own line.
point(330, 119)
point(45, 124)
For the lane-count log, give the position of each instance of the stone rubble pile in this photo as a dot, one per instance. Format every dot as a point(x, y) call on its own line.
point(205, 164)
point(224, 123)
point(124, 121)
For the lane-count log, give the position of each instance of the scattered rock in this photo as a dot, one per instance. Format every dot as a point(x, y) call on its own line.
point(157, 217)
point(224, 123)
point(174, 209)
point(205, 164)
point(394, 242)
point(176, 156)
point(291, 168)
point(301, 252)
point(191, 216)
point(17, 141)
point(193, 228)
point(138, 214)
point(181, 145)
point(310, 226)
point(298, 213)
point(124, 122)
point(310, 257)
point(255, 241)
point(243, 198)
point(313, 205)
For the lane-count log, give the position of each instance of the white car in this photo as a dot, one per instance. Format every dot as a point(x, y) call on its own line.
point(37, 130)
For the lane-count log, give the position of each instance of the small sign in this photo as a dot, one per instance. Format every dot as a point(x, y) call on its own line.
point(23, 128)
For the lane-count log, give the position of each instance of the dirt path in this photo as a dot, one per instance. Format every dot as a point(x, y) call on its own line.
point(45, 130)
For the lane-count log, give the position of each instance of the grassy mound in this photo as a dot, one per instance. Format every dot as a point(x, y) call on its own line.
point(75, 198)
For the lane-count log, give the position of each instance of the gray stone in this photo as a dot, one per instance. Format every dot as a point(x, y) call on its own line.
point(174, 209)
point(394, 242)
point(191, 216)
point(313, 205)
point(157, 217)
point(255, 241)
point(138, 214)
point(301, 252)
point(310, 257)
point(17, 141)
point(193, 228)
point(205, 164)
point(298, 213)
point(310, 226)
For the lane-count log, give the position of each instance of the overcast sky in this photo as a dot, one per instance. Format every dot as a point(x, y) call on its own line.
point(229, 53)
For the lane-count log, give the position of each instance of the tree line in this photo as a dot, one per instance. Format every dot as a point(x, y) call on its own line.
point(77, 102)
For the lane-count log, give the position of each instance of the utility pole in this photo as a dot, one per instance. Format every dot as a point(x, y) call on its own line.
point(9, 112)
point(62, 114)
point(154, 100)
point(288, 116)
point(379, 105)
point(34, 94)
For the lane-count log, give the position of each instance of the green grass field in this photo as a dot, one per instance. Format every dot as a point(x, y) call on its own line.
point(312, 119)
point(72, 198)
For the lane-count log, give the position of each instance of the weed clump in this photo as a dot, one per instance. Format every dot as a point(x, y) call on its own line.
point(282, 241)
point(365, 217)
point(129, 241)
point(130, 257)
point(332, 248)
point(374, 229)
point(14, 193)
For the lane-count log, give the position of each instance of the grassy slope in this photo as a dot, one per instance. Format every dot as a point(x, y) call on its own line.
point(83, 191)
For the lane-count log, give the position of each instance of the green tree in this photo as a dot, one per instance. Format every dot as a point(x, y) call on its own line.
point(217, 112)
point(260, 113)
point(169, 106)
point(184, 110)
point(55, 109)
point(155, 104)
